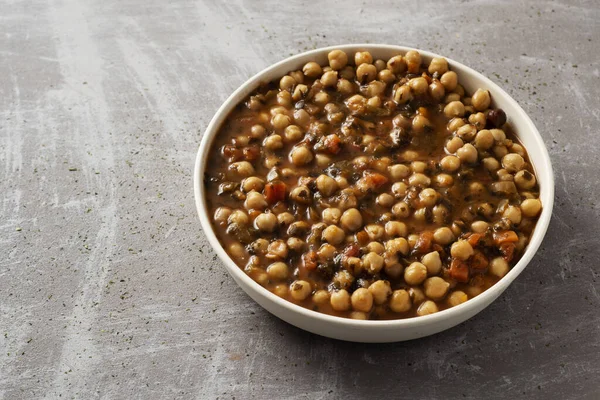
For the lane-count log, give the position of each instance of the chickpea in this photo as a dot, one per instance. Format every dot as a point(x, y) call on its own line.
point(380, 290)
point(242, 169)
point(326, 252)
point(432, 262)
point(481, 100)
point(467, 132)
point(428, 197)
point(372, 262)
point(337, 59)
point(238, 217)
point(418, 85)
point(253, 183)
point(287, 82)
point(449, 80)
point(413, 61)
point(402, 94)
point(374, 231)
point(401, 210)
point(340, 300)
point(513, 162)
point(326, 185)
point(500, 151)
point(461, 250)
point(396, 229)
point(450, 163)
point(375, 247)
point(345, 87)
point(284, 98)
point(398, 171)
point(285, 218)
point(400, 301)
point(479, 226)
point(436, 90)
point(418, 166)
point(300, 290)
point(386, 76)
point(329, 78)
point(513, 214)
point(397, 64)
point(301, 117)
point(331, 216)
point(363, 57)
point(321, 297)
point(444, 180)
point(358, 315)
point(443, 236)
point(484, 139)
point(362, 300)
point(419, 180)
point(334, 235)
point(525, 180)
point(498, 267)
point(237, 251)
point(312, 70)
point(273, 142)
point(301, 155)
point(277, 250)
point(531, 207)
point(467, 153)
point(255, 200)
point(385, 200)
point(454, 124)
point(415, 273)
point(420, 124)
point(366, 73)
point(351, 220)
point(222, 215)
point(301, 194)
point(454, 109)
point(278, 271)
point(295, 244)
point(457, 297)
point(427, 307)
point(293, 133)
point(454, 144)
point(491, 164)
point(435, 288)
point(439, 65)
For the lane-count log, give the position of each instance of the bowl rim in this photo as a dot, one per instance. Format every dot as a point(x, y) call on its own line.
point(473, 305)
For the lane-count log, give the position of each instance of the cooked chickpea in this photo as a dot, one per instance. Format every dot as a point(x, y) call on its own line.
point(402, 94)
point(490, 163)
point(467, 132)
point(242, 169)
point(513, 162)
point(222, 215)
point(481, 100)
point(525, 180)
point(467, 153)
point(454, 144)
point(513, 214)
point(337, 59)
point(400, 301)
point(351, 220)
point(531, 207)
point(420, 124)
point(253, 183)
point(287, 82)
point(432, 262)
point(386, 76)
point(372, 262)
point(457, 297)
point(449, 80)
point(479, 226)
point(498, 267)
point(273, 142)
point(340, 300)
point(500, 151)
point(428, 197)
point(256, 201)
point(418, 85)
point(295, 244)
point(444, 180)
point(454, 109)
point(300, 290)
point(450, 163)
point(438, 65)
point(419, 180)
point(435, 287)
point(443, 236)
point(238, 217)
point(293, 133)
point(455, 124)
point(326, 185)
point(375, 247)
point(331, 215)
point(461, 250)
point(278, 271)
point(397, 64)
point(321, 297)
point(265, 222)
point(401, 210)
point(312, 70)
point(366, 73)
point(436, 90)
point(413, 61)
point(484, 139)
point(363, 57)
point(415, 273)
point(362, 300)
point(385, 200)
point(301, 155)
point(334, 235)
point(396, 229)
point(374, 231)
point(427, 307)
point(380, 290)
point(329, 78)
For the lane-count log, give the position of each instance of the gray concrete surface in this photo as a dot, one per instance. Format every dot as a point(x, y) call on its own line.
point(108, 288)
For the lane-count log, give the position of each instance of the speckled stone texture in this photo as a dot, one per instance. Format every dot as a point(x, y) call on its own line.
point(108, 288)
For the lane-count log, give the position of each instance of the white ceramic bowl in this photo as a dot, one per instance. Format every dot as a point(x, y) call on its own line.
point(394, 330)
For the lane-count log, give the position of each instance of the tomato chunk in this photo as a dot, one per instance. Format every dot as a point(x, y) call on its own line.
point(505, 237)
point(459, 270)
point(275, 191)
